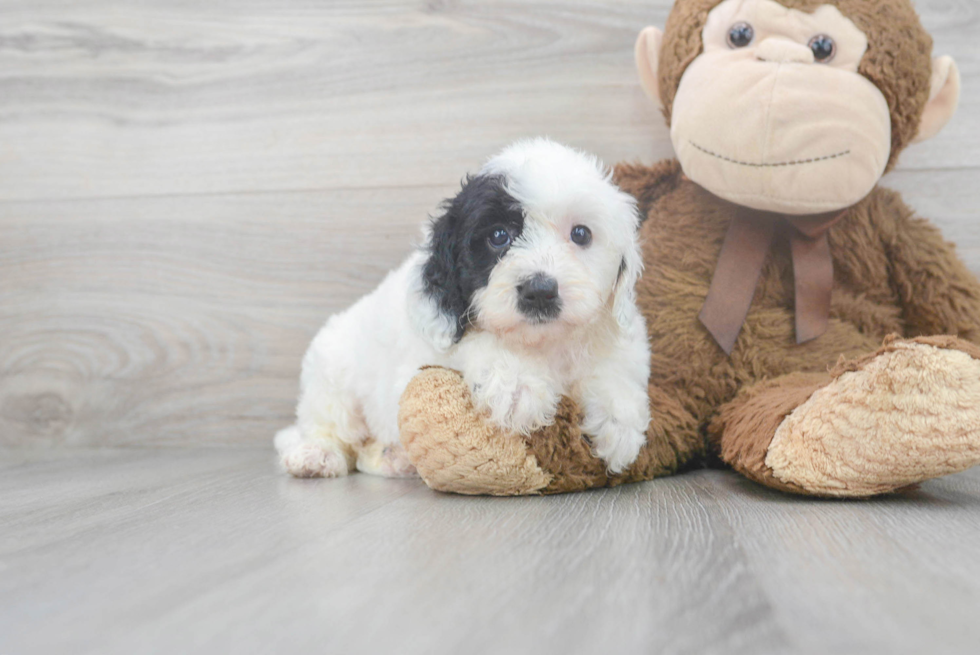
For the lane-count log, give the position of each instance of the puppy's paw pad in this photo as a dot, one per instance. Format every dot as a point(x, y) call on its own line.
point(307, 460)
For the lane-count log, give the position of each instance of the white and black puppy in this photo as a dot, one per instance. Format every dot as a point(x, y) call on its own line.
point(525, 286)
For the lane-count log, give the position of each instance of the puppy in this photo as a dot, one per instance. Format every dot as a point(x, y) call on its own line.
point(525, 286)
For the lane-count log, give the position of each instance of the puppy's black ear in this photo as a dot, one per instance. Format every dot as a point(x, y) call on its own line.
point(458, 260)
point(440, 283)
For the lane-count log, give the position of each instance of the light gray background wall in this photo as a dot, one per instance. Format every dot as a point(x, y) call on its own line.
point(188, 189)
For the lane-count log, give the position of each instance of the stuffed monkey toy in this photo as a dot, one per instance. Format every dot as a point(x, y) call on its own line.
point(806, 327)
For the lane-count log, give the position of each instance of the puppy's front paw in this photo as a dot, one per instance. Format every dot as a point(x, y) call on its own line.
point(616, 443)
point(520, 404)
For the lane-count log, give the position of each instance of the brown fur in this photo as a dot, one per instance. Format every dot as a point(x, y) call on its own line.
point(564, 454)
point(893, 275)
point(898, 60)
point(743, 429)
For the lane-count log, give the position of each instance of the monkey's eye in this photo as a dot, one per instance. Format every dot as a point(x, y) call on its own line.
point(823, 48)
point(499, 238)
point(581, 235)
point(740, 35)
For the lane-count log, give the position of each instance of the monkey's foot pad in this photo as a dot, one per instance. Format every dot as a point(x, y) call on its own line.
point(908, 413)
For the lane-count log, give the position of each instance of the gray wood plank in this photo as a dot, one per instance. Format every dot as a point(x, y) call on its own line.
point(153, 551)
point(106, 98)
point(905, 565)
point(948, 198)
point(180, 319)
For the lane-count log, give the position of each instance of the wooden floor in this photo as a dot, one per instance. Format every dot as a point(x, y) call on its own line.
point(188, 189)
point(211, 551)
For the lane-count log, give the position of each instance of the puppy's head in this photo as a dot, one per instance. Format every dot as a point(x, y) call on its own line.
point(538, 242)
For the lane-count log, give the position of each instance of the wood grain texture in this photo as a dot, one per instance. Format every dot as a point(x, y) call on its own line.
point(166, 551)
point(106, 98)
point(188, 190)
point(180, 320)
point(163, 98)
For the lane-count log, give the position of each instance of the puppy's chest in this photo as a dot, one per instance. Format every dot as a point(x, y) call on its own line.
point(570, 369)
point(564, 365)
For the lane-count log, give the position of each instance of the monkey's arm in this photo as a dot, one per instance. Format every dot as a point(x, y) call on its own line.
point(938, 294)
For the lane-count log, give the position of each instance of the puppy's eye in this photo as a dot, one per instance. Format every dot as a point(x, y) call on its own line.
point(740, 35)
point(581, 235)
point(499, 238)
point(823, 48)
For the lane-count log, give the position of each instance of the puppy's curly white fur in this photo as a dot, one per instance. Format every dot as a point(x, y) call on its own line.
point(525, 285)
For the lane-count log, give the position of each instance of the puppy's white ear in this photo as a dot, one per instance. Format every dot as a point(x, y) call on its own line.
point(624, 294)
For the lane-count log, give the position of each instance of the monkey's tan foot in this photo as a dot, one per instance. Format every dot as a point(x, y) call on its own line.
point(909, 413)
point(905, 414)
point(390, 461)
point(458, 450)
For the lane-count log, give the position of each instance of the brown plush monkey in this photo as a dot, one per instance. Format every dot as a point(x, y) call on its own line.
point(775, 270)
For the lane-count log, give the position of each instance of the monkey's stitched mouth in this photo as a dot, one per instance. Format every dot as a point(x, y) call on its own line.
point(799, 162)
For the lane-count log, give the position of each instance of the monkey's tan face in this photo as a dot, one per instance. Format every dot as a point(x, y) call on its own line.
point(774, 114)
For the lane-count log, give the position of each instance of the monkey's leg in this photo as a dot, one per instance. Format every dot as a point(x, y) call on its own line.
point(456, 449)
point(902, 415)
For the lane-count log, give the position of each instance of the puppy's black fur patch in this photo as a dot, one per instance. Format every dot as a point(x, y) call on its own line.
point(460, 255)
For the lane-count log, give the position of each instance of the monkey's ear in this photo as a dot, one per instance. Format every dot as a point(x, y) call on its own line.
point(648, 61)
point(944, 97)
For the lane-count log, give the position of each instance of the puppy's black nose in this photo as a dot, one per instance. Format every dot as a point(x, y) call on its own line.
point(539, 289)
point(538, 297)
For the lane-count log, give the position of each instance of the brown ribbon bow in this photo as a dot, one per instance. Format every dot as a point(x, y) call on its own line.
point(743, 254)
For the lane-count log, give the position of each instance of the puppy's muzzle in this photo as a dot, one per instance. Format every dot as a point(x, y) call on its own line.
point(538, 299)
